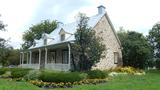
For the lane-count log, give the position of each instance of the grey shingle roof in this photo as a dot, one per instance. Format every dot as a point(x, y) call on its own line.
point(54, 37)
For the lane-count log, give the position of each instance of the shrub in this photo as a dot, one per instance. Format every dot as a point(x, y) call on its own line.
point(61, 76)
point(96, 74)
point(32, 75)
point(7, 74)
point(19, 72)
point(158, 63)
point(19, 69)
point(14, 72)
point(2, 71)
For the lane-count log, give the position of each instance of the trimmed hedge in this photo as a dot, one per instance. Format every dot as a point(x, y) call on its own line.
point(15, 72)
point(19, 72)
point(96, 74)
point(52, 76)
point(61, 76)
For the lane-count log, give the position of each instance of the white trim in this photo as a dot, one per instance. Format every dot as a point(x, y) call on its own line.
point(69, 55)
point(46, 56)
point(30, 61)
point(22, 57)
point(27, 58)
point(39, 57)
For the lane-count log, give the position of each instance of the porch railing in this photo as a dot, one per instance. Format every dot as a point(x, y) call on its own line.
point(57, 66)
point(34, 66)
point(51, 66)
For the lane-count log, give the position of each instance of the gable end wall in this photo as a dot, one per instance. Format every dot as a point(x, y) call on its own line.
point(103, 29)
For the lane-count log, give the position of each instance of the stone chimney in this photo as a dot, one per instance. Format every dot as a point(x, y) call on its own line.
point(101, 9)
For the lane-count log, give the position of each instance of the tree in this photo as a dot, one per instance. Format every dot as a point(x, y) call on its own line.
point(4, 52)
point(36, 31)
point(4, 47)
point(136, 50)
point(2, 26)
point(13, 58)
point(7, 54)
point(154, 40)
point(87, 46)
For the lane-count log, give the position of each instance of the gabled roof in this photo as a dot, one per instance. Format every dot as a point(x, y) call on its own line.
point(70, 28)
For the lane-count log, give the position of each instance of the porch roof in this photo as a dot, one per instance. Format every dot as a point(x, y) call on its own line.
point(49, 46)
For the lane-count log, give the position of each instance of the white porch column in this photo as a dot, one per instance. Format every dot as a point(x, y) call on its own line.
point(27, 57)
point(46, 55)
point(22, 57)
point(69, 56)
point(39, 57)
point(30, 60)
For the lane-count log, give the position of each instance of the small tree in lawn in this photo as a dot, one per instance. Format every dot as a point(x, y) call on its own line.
point(87, 46)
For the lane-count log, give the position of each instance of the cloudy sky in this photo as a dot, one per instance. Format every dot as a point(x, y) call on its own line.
point(138, 15)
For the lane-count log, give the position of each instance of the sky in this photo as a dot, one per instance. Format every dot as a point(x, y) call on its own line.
point(19, 15)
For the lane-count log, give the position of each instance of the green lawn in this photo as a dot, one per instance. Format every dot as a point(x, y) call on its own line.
point(151, 81)
point(12, 85)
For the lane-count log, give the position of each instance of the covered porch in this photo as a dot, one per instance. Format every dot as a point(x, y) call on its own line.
point(54, 57)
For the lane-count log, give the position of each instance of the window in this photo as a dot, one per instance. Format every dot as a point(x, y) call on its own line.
point(62, 37)
point(65, 56)
point(36, 57)
point(116, 57)
point(45, 41)
point(52, 56)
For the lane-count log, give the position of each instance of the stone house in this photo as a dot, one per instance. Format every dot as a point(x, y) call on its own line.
point(53, 51)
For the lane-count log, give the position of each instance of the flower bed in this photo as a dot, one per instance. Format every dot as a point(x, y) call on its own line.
point(42, 84)
point(125, 70)
point(53, 79)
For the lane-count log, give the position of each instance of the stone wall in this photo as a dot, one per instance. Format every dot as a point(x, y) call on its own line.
point(103, 29)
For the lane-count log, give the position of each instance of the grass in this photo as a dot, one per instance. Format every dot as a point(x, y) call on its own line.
point(12, 85)
point(150, 81)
